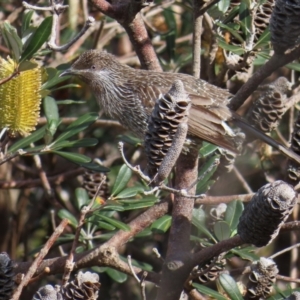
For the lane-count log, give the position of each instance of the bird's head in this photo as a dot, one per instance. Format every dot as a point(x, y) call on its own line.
point(94, 67)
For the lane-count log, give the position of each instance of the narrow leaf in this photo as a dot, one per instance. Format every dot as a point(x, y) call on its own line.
point(122, 179)
point(116, 275)
point(233, 213)
point(162, 224)
point(114, 222)
point(230, 287)
point(88, 142)
point(222, 230)
point(129, 192)
point(39, 37)
point(207, 291)
point(26, 21)
point(65, 214)
point(82, 197)
point(74, 157)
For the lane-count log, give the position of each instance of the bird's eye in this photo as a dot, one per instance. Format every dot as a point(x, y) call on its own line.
point(93, 67)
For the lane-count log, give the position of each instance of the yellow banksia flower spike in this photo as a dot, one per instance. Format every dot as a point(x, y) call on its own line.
point(20, 98)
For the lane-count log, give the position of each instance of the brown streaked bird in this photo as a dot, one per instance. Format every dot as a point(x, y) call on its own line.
point(129, 95)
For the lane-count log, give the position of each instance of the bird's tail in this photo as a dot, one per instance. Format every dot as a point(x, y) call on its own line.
point(247, 128)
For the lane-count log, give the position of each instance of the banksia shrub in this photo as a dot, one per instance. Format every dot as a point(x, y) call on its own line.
point(20, 98)
point(261, 278)
point(266, 212)
point(6, 277)
point(284, 25)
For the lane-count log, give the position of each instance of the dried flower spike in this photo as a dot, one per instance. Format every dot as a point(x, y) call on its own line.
point(6, 277)
point(47, 292)
point(285, 26)
point(169, 112)
point(20, 98)
point(262, 278)
point(268, 209)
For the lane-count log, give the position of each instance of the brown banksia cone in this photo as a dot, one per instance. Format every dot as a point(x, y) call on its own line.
point(85, 286)
point(293, 169)
point(294, 296)
point(169, 112)
point(261, 279)
point(6, 277)
point(284, 25)
point(20, 98)
point(47, 292)
point(269, 105)
point(91, 182)
point(268, 209)
point(262, 17)
point(210, 271)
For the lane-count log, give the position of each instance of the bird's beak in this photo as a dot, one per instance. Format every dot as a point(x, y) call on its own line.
point(68, 72)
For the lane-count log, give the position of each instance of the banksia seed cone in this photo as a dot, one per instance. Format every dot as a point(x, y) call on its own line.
point(268, 209)
point(20, 98)
point(269, 105)
point(170, 110)
point(47, 292)
point(6, 277)
point(85, 286)
point(91, 182)
point(262, 17)
point(284, 25)
point(261, 279)
point(209, 272)
point(294, 296)
point(293, 170)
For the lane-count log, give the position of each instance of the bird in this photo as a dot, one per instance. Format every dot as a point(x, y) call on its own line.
point(128, 95)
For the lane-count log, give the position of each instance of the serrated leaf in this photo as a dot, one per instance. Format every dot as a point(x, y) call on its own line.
point(122, 179)
point(77, 126)
point(233, 213)
point(222, 230)
point(82, 198)
point(230, 287)
point(114, 222)
point(38, 38)
point(26, 21)
point(34, 137)
point(65, 214)
point(74, 157)
point(129, 192)
point(207, 291)
point(162, 224)
point(116, 275)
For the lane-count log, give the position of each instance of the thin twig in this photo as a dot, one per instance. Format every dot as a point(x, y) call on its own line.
point(10, 77)
point(58, 231)
point(285, 250)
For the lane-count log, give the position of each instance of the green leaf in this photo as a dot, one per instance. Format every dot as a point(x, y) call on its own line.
point(88, 142)
point(207, 149)
point(38, 38)
point(245, 18)
point(294, 66)
point(246, 253)
point(233, 31)
point(65, 214)
point(112, 205)
point(129, 192)
point(230, 287)
point(74, 157)
point(122, 179)
point(71, 85)
point(233, 213)
point(223, 5)
point(67, 102)
point(82, 198)
point(222, 230)
point(162, 224)
point(263, 40)
point(202, 228)
point(94, 167)
point(235, 49)
point(77, 126)
point(116, 275)
point(207, 291)
point(114, 222)
point(26, 21)
point(54, 79)
point(103, 225)
point(138, 204)
point(21, 144)
point(12, 40)
point(50, 109)
point(27, 65)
